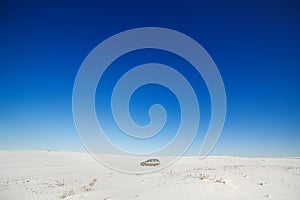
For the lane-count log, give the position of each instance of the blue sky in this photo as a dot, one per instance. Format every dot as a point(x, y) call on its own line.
point(256, 46)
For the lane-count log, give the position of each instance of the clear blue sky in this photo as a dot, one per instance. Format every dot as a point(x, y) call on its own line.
point(255, 44)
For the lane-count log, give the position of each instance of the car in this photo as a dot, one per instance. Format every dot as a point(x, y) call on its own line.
point(150, 162)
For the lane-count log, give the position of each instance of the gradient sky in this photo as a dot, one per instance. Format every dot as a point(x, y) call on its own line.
point(256, 46)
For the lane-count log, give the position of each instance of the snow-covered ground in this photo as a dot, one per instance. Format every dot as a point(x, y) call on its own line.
point(37, 175)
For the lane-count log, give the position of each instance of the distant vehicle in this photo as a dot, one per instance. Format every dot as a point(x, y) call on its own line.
point(150, 162)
